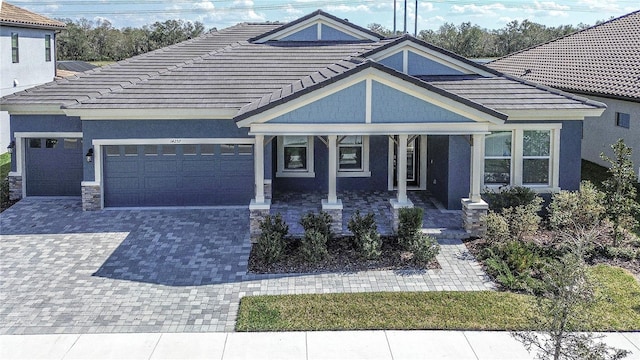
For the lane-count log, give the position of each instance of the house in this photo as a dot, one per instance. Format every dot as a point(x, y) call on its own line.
point(602, 62)
point(27, 43)
point(319, 104)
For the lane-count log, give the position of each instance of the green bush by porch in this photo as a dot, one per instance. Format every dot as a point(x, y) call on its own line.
point(484, 310)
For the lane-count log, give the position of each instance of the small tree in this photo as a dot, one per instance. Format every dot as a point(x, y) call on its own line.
point(566, 291)
point(620, 190)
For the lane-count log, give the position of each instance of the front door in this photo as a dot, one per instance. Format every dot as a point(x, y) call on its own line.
point(413, 162)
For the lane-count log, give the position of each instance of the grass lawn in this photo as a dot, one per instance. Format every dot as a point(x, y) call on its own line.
point(5, 165)
point(484, 310)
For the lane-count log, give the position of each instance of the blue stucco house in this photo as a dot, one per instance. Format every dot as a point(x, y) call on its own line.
point(318, 104)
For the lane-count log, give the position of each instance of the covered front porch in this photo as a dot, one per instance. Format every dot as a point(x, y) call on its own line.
point(437, 220)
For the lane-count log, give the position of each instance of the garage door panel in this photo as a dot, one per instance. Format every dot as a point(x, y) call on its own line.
point(53, 169)
point(178, 176)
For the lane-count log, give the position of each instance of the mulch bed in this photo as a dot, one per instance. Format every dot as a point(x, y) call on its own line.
point(342, 259)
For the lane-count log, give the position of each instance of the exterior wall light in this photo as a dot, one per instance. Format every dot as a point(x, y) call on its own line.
point(89, 155)
point(11, 146)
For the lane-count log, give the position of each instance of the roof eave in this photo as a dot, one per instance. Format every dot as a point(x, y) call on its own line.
point(32, 26)
point(553, 114)
point(152, 113)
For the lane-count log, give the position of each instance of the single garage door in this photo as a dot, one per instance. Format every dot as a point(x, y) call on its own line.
point(178, 175)
point(53, 166)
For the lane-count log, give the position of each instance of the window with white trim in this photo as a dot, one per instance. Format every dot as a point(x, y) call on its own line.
point(47, 48)
point(497, 158)
point(353, 156)
point(536, 157)
point(15, 50)
point(295, 156)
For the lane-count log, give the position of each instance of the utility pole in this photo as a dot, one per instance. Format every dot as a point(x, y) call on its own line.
point(415, 30)
point(405, 16)
point(394, 16)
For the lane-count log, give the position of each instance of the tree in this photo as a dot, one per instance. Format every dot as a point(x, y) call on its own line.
point(566, 291)
point(620, 192)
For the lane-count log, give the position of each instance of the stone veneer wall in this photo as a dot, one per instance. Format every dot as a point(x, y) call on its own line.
point(15, 187)
point(255, 217)
point(336, 220)
point(91, 198)
point(473, 217)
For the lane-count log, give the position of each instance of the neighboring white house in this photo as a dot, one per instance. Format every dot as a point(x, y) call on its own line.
point(27, 55)
point(602, 62)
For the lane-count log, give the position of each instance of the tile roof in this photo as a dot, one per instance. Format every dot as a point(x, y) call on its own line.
point(224, 71)
point(11, 15)
point(602, 60)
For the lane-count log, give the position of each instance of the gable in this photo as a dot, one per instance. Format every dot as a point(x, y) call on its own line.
point(415, 59)
point(318, 26)
point(391, 105)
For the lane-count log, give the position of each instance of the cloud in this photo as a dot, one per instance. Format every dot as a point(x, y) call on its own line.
point(204, 5)
point(474, 9)
point(549, 8)
point(348, 8)
point(609, 6)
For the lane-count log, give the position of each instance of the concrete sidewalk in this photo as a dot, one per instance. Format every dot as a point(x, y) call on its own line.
point(396, 345)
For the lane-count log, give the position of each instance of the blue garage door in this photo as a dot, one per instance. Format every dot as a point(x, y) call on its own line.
point(53, 166)
point(178, 175)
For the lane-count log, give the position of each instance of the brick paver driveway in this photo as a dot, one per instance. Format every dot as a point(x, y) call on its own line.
point(63, 270)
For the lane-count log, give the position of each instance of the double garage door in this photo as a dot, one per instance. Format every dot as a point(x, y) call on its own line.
point(177, 175)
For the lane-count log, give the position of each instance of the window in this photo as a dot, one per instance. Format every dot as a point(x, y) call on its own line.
point(227, 149)
point(207, 149)
point(245, 149)
point(113, 150)
point(623, 120)
point(51, 143)
point(295, 156)
point(71, 143)
point(168, 149)
point(150, 150)
point(35, 143)
point(189, 150)
point(15, 55)
point(497, 158)
point(350, 153)
point(47, 48)
point(536, 155)
point(130, 150)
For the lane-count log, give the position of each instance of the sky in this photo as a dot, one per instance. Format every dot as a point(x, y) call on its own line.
point(431, 14)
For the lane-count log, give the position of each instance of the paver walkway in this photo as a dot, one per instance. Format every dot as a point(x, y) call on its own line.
point(177, 270)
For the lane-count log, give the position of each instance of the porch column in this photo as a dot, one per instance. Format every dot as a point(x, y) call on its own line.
point(259, 207)
point(474, 208)
point(476, 164)
point(401, 201)
point(402, 168)
point(332, 205)
point(258, 166)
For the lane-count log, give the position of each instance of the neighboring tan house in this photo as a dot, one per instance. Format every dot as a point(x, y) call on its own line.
point(601, 62)
point(318, 104)
point(28, 55)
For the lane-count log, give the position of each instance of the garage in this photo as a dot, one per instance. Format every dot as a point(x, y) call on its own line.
point(53, 166)
point(177, 175)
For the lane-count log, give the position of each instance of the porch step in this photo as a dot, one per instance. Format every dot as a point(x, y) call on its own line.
point(445, 233)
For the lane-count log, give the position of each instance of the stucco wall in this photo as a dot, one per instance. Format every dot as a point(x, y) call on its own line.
point(601, 132)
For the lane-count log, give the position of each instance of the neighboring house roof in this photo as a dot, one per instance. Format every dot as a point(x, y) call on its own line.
point(74, 65)
point(11, 15)
point(223, 72)
point(602, 60)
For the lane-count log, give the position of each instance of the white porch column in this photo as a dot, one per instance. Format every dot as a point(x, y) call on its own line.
point(477, 148)
point(332, 197)
point(402, 168)
point(258, 168)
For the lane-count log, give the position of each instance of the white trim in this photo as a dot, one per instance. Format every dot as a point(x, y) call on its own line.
point(371, 129)
point(368, 101)
point(308, 173)
point(20, 109)
point(319, 31)
point(405, 61)
point(390, 156)
point(258, 170)
point(174, 141)
point(552, 114)
point(318, 19)
point(431, 55)
point(423, 162)
point(383, 78)
point(401, 161)
point(153, 114)
point(332, 197)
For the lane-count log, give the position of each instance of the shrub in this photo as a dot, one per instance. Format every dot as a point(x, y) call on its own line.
point(313, 246)
point(497, 228)
point(4, 193)
point(509, 197)
point(523, 220)
point(365, 235)
point(320, 222)
point(513, 264)
point(270, 245)
point(410, 226)
point(584, 208)
point(424, 248)
point(624, 253)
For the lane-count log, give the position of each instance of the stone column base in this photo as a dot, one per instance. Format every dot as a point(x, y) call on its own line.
point(395, 212)
point(335, 211)
point(91, 197)
point(15, 187)
point(268, 189)
point(473, 217)
point(257, 213)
